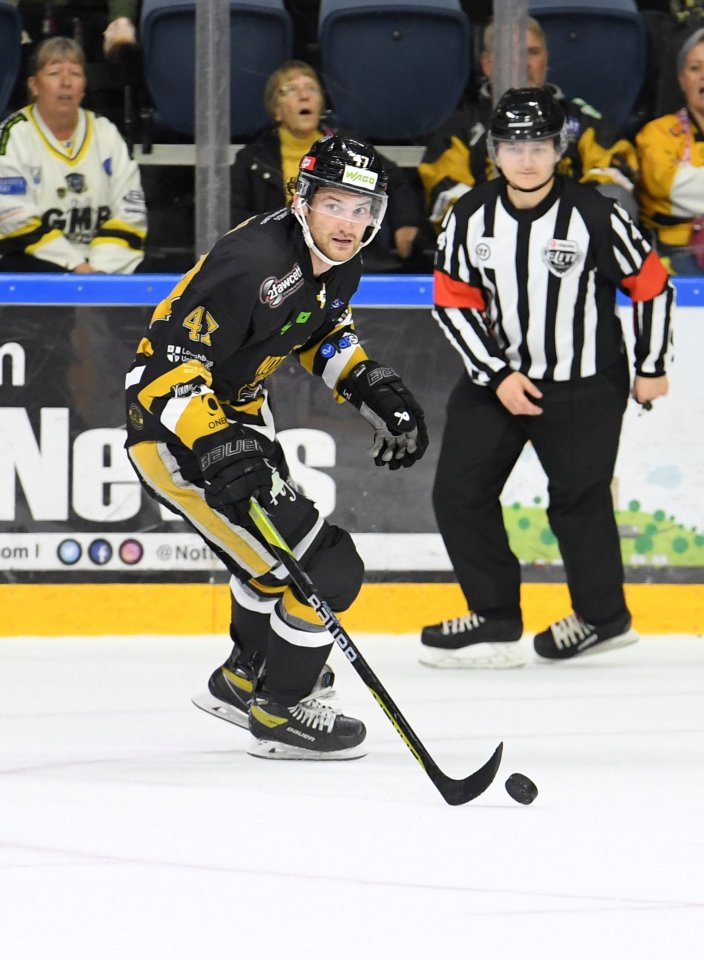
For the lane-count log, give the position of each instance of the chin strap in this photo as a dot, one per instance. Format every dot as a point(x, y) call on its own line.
point(307, 236)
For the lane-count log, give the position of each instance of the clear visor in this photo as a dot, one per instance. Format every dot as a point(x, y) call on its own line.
point(536, 146)
point(526, 146)
point(355, 205)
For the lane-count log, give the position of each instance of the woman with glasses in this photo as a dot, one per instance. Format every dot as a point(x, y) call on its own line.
point(263, 169)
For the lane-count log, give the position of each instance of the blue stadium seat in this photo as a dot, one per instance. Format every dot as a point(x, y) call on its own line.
point(260, 41)
point(10, 31)
point(597, 51)
point(394, 69)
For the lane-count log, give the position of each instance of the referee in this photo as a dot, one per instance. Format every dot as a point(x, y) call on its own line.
point(526, 275)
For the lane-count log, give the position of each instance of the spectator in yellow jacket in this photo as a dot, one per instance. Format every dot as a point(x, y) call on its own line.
point(671, 155)
point(456, 158)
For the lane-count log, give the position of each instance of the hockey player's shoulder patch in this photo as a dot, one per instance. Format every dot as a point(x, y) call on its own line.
point(6, 128)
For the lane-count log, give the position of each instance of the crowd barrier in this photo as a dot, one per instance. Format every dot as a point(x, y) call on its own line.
point(83, 550)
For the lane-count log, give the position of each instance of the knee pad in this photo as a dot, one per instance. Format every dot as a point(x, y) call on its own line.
point(336, 568)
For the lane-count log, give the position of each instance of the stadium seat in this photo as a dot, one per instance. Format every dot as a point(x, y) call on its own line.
point(10, 31)
point(597, 51)
point(260, 41)
point(394, 69)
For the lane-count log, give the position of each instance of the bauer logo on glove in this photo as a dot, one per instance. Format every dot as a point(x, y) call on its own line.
point(234, 469)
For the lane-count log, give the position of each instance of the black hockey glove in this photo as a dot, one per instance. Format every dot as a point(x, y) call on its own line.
point(234, 469)
point(400, 437)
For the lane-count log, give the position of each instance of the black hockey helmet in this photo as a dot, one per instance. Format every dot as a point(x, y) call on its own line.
point(337, 161)
point(342, 161)
point(527, 113)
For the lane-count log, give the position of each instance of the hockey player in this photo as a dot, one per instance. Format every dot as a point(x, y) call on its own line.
point(70, 196)
point(526, 275)
point(201, 435)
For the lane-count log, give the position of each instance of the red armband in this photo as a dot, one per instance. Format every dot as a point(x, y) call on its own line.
point(456, 293)
point(649, 282)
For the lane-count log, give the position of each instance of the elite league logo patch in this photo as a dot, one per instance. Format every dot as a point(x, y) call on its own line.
point(561, 256)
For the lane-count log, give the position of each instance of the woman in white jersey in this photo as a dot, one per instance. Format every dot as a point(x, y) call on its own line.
point(70, 195)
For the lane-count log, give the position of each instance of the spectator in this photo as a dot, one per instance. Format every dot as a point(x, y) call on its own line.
point(70, 196)
point(671, 157)
point(527, 271)
point(85, 21)
point(264, 168)
point(668, 24)
point(456, 158)
point(121, 30)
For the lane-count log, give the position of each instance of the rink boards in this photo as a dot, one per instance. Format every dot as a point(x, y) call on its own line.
point(83, 550)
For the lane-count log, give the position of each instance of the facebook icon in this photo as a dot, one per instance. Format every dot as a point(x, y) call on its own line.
point(100, 552)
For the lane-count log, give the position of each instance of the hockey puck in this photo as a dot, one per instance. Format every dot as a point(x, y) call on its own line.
point(521, 789)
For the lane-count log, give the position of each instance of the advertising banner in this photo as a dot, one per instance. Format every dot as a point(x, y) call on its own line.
point(71, 507)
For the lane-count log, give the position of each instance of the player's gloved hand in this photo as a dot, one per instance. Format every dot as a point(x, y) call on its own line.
point(234, 469)
point(400, 437)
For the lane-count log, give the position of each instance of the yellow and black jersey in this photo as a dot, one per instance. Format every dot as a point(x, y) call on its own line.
point(535, 290)
point(457, 159)
point(230, 323)
point(671, 195)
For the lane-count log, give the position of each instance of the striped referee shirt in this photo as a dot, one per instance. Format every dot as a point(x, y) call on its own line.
point(535, 290)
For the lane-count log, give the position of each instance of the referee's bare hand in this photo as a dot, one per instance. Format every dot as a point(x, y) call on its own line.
point(515, 393)
point(647, 389)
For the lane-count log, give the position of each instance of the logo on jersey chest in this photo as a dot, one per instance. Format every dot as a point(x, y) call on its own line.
point(561, 256)
point(75, 183)
point(274, 290)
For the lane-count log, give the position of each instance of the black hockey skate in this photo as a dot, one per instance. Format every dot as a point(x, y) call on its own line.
point(231, 686)
point(309, 730)
point(473, 642)
point(572, 637)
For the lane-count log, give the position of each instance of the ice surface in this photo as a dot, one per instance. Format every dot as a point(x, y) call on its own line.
point(134, 826)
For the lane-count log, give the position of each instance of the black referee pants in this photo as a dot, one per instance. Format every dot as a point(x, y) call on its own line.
point(576, 440)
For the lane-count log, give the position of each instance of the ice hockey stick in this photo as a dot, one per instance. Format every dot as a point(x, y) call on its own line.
point(454, 792)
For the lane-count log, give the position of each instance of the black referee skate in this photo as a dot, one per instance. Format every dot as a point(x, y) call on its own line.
point(473, 642)
point(309, 730)
point(573, 637)
point(231, 686)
